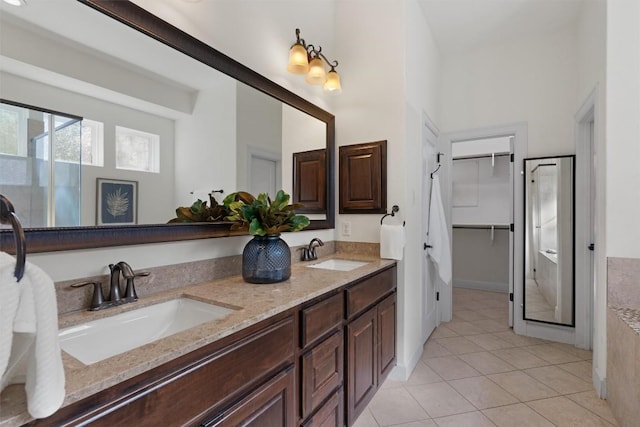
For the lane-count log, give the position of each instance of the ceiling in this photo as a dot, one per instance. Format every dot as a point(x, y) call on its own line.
point(462, 25)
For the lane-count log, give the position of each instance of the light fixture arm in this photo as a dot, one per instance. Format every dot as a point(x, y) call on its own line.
point(318, 53)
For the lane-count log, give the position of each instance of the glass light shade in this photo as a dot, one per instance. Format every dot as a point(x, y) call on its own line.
point(332, 85)
point(298, 62)
point(317, 74)
point(15, 2)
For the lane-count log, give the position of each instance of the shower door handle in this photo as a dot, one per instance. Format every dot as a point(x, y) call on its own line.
point(591, 247)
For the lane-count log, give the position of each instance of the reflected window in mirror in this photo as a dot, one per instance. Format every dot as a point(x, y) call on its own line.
point(41, 164)
point(549, 295)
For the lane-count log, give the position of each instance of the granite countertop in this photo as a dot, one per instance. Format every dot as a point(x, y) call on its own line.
point(253, 303)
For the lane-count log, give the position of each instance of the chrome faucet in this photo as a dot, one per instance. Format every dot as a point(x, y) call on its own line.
point(98, 301)
point(309, 253)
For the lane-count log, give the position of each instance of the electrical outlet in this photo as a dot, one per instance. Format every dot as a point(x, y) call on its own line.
point(346, 228)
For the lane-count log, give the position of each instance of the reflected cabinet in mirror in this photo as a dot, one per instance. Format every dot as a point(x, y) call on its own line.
point(107, 92)
point(549, 295)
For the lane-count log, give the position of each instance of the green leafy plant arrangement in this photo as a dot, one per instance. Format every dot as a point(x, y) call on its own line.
point(200, 212)
point(261, 215)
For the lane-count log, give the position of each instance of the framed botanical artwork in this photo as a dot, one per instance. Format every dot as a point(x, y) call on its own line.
point(116, 202)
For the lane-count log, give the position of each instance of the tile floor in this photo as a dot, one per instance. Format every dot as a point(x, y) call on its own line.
point(476, 372)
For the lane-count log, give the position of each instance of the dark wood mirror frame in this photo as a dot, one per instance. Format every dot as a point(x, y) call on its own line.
point(68, 238)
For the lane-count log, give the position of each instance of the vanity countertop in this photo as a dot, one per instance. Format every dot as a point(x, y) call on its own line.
point(255, 303)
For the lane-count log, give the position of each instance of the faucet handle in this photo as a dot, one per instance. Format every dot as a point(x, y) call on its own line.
point(130, 291)
point(97, 301)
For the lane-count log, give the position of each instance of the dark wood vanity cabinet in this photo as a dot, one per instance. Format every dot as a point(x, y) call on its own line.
point(318, 364)
point(371, 338)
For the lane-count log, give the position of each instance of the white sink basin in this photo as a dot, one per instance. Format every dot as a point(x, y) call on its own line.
point(339, 264)
point(100, 339)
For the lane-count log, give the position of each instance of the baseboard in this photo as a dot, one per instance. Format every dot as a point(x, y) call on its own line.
point(402, 372)
point(600, 384)
point(481, 286)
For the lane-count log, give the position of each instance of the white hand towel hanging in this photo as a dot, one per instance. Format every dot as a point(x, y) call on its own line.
point(29, 344)
point(392, 241)
point(440, 250)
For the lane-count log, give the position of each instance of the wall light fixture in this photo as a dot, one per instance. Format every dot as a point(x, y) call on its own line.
point(306, 59)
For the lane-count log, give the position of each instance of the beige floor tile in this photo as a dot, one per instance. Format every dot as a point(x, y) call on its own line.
point(395, 406)
point(423, 374)
point(440, 399)
point(578, 352)
point(389, 384)
point(442, 332)
point(470, 419)
point(492, 325)
point(482, 392)
point(422, 423)
point(582, 370)
point(593, 403)
point(366, 420)
point(551, 354)
point(522, 386)
point(518, 415)
point(469, 315)
point(459, 345)
point(489, 341)
point(563, 412)
point(465, 328)
point(487, 363)
point(433, 349)
point(451, 368)
point(559, 380)
point(493, 313)
point(518, 340)
point(519, 358)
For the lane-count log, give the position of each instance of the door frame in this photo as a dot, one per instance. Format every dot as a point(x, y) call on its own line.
point(261, 153)
point(585, 272)
point(430, 136)
point(520, 148)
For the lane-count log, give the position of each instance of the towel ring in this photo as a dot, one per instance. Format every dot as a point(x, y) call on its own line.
point(394, 209)
point(8, 216)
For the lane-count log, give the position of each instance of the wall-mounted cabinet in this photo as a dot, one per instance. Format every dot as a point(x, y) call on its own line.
point(363, 178)
point(310, 180)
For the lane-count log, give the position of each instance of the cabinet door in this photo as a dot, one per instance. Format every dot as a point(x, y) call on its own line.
point(321, 372)
point(272, 405)
point(386, 336)
point(362, 363)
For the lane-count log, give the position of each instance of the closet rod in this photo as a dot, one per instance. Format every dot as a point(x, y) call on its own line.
point(488, 156)
point(482, 227)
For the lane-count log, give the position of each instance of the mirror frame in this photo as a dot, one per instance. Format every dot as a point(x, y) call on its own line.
point(132, 15)
point(573, 246)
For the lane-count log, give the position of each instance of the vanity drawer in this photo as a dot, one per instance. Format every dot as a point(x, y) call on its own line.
point(370, 291)
point(321, 374)
point(320, 318)
point(331, 414)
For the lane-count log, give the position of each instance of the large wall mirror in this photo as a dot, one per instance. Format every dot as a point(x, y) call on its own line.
point(93, 105)
point(549, 295)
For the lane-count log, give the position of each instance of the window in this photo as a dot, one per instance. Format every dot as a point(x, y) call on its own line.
point(137, 150)
point(13, 130)
point(92, 143)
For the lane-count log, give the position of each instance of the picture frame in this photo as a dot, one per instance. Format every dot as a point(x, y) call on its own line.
point(116, 202)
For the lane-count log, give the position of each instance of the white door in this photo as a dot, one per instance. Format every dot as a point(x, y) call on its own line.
point(263, 175)
point(511, 232)
point(430, 318)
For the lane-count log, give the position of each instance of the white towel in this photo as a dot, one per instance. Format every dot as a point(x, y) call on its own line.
point(392, 241)
point(440, 251)
point(29, 345)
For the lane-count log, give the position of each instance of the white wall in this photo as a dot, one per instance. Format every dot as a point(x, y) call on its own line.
point(530, 80)
point(202, 144)
point(259, 125)
point(623, 128)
